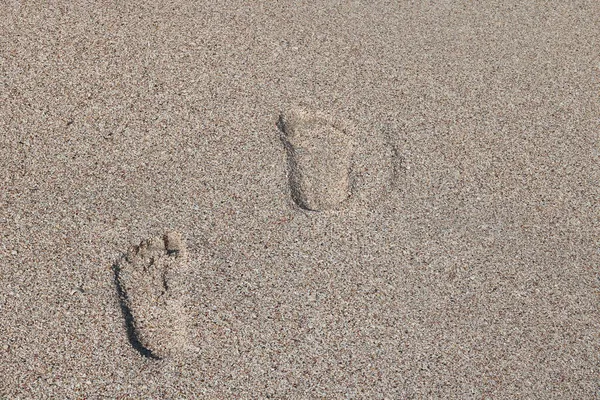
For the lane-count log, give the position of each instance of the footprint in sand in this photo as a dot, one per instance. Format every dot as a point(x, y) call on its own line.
point(330, 165)
point(150, 284)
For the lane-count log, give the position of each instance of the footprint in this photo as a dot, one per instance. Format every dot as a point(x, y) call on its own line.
point(319, 160)
point(331, 165)
point(151, 286)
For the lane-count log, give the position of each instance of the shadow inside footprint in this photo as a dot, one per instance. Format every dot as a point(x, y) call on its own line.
point(128, 316)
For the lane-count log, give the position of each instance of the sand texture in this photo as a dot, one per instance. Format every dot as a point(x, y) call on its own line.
point(300, 200)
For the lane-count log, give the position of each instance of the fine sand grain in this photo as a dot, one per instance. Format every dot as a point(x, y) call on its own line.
point(299, 200)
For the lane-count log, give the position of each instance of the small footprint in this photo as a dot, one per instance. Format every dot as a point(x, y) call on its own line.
point(319, 160)
point(150, 283)
point(330, 164)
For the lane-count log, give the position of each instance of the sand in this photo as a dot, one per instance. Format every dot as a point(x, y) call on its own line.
point(452, 252)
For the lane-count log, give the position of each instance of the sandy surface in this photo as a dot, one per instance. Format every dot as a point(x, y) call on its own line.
point(464, 265)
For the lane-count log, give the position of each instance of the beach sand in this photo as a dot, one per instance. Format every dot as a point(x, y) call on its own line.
point(452, 252)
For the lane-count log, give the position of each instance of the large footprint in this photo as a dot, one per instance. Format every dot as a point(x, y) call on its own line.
point(331, 166)
point(151, 290)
